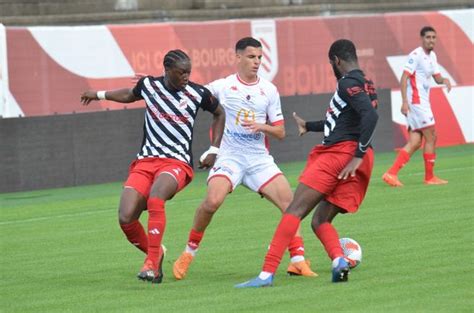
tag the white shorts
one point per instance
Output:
(420, 116)
(253, 171)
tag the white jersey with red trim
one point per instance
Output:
(420, 67)
(243, 102)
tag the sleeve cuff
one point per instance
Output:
(278, 123)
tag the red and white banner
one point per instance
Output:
(49, 67)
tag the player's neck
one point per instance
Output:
(168, 84)
(427, 51)
(247, 79)
(349, 67)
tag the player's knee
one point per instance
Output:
(127, 216)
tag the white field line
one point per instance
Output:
(172, 203)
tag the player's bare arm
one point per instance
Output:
(403, 89)
(440, 80)
(277, 131)
(301, 123)
(124, 95)
(311, 126)
(217, 127)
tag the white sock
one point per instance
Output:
(335, 262)
(191, 250)
(264, 275)
(297, 258)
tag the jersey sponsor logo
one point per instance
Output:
(245, 136)
(173, 118)
(234, 88)
(244, 116)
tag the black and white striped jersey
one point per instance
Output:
(169, 118)
(351, 115)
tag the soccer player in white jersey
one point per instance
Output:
(253, 112)
(421, 65)
(164, 163)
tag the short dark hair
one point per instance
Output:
(173, 57)
(247, 42)
(426, 29)
(344, 49)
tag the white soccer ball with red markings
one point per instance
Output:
(352, 251)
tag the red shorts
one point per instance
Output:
(142, 173)
(324, 165)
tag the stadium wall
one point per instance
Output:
(97, 147)
(49, 67)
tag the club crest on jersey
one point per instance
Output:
(248, 97)
(183, 103)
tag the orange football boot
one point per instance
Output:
(391, 180)
(436, 181)
(301, 268)
(180, 267)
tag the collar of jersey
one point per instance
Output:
(247, 84)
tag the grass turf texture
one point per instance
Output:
(62, 250)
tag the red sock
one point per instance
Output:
(194, 239)
(402, 158)
(430, 159)
(284, 233)
(136, 235)
(328, 236)
(296, 246)
(156, 227)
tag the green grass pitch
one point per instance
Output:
(62, 250)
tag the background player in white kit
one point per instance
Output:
(253, 111)
(422, 64)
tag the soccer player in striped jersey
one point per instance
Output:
(164, 163)
(338, 171)
(253, 112)
(421, 65)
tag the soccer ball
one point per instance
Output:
(352, 251)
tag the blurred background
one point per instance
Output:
(51, 51)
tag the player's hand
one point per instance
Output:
(405, 108)
(208, 161)
(137, 77)
(301, 123)
(88, 96)
(350, 169)
(253, 126)
(208, 158)
(447, 83)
